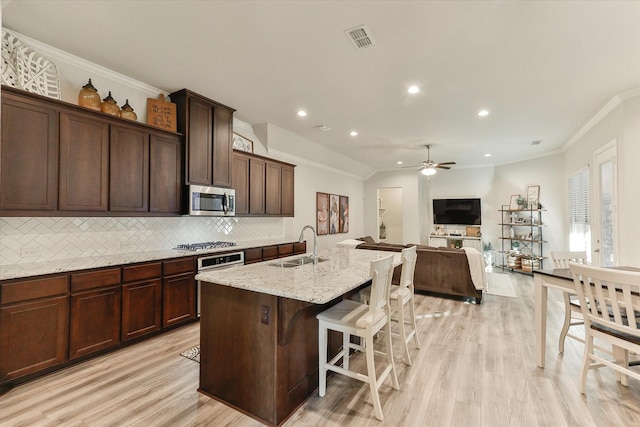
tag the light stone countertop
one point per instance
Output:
(316, 283)
(16, 271)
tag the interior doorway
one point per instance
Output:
(390, 215)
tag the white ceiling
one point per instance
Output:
(542, 68)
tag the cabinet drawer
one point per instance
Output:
(141, 272)
(182, 265)
(26, 290)
(285, 250)
(269, 252)
(95, 279)
(252, 255)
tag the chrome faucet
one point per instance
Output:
(315, 240)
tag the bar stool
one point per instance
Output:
(399, 297)
(364, 321)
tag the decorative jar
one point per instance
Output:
(126, 112)
(89, 97)
(110, 106)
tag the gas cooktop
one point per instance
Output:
(204, 245)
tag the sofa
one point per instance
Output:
(442, 271)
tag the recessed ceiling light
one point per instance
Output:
(483, 113)
(302, 113)
(399, 162)
(487, 155)
(353, 133)
(413, 89)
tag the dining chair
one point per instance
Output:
(561, 259)
(612, 315)
(364, 321)
(401, 296)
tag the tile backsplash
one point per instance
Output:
(36, 239)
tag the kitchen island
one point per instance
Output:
(259, 333)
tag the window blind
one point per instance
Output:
(580, 212)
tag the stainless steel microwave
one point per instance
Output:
(211, 201)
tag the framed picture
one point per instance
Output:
(241, 143)
(533, 196)
(334, 214)
(322, 213)
(513, 204)
(344, 214)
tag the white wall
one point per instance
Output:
(391, 202)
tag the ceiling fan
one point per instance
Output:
(429, 167)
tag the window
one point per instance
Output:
(580, 212)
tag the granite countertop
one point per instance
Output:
(16, 271)
(318, 283)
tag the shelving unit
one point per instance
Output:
(524, 227)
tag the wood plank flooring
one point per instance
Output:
(476, 368)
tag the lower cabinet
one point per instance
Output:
(95, 321)
(179, 291)
(141, 308)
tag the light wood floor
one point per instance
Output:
(476, 368)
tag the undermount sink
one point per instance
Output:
(297, 262)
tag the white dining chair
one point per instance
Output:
(352, 318)
(402, 297)
(611, 315)
(572, 310)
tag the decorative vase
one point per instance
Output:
(89, 97)
(383, 231)
(126, 112)
(110, 106)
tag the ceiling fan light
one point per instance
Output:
(428, 171)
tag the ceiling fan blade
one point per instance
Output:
(412, 166)
(447, 163)
(442, 167)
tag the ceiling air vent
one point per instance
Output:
(360, 37)
(537, 142)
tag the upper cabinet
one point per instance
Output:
(207, 126)
(61, 159)
(29, 154)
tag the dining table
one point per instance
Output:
(557, 278)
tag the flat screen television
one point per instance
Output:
(457, 211)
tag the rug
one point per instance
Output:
(499, 284)
(192, 354)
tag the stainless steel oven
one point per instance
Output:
(216, 262)
(211, 201)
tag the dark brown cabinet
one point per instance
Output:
(279, 184)
(165, 165)
(29, 161)
(84, 162)
(178, 286)
(33, 325)
(207, 126)
(248, 181)
(141, 299)
(94, 311)
(129, 180)
(61, 159)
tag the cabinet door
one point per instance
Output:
(222, 147)
(273, 183)
(29, 161)
(199, 143)
(141, 308)
(33, 336)
(84, 162)
(256, 186)
(165, 166)
(240, 182)
(287, 190)
(179, 304)
(95, 321)
(129, 182)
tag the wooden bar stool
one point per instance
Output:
(399, 297)
(571, 303)
(355, 319)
